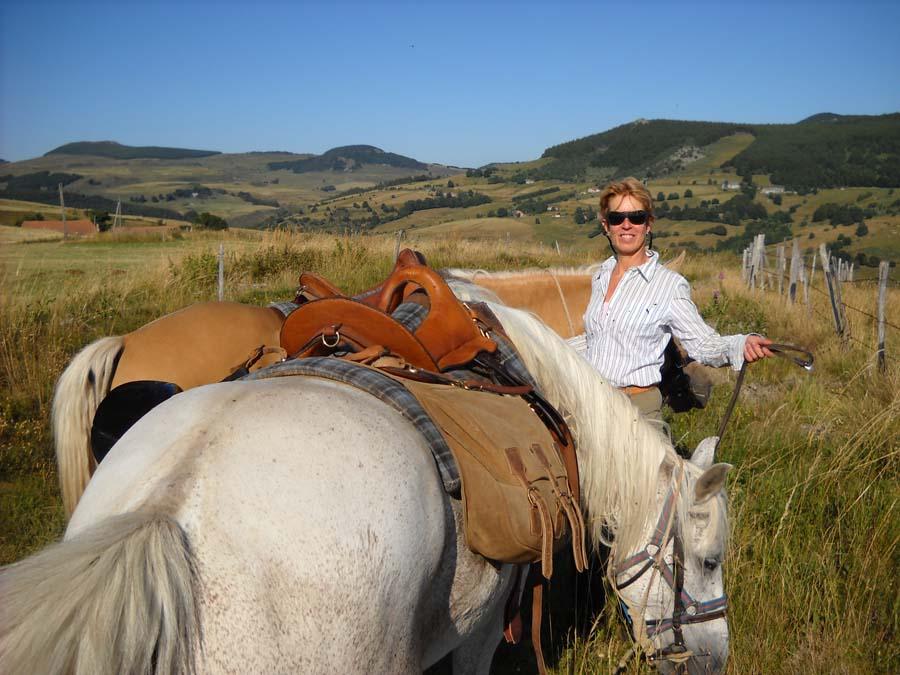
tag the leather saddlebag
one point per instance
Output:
(516, 496)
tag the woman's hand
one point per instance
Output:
(755, 348)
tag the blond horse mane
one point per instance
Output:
(620, 454)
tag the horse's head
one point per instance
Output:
(671, 587)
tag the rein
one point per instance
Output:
(789, 352)
(686, 610)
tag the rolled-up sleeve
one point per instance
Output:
(700, 340)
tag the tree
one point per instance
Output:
(862, 230)
(673, 195)
(688, 193)
(210, 222)
(580, 218)
(502, 212)
(450, 184)
(660, 197)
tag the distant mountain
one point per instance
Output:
(348, 158)
(824, 150)
(115, 150)
(3, 161)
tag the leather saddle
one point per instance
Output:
(328, 321)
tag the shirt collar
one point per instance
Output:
(647, 270)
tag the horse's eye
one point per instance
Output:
(710, 564)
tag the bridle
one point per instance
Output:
(653, 558)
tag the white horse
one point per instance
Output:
(299, 524)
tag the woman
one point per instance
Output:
(637, 305)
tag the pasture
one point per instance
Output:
(811, 567)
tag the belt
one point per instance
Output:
(634, 390)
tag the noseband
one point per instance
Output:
(686, 610)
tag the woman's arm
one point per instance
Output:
(702, 342)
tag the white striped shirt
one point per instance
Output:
(651, 303)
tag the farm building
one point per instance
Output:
(71, 226)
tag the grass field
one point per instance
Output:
(811, 567)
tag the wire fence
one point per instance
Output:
(835, 273)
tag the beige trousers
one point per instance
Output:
(649, 403)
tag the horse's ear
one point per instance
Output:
(676, 263)
(711, 482)
(705, 452)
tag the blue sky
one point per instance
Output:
(457, 83)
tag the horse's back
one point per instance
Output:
(299, 498)
(197, 345)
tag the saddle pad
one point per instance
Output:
(382, 387)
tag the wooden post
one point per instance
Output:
(795, 271)
(850, 272)
(882, 296)
(805, 282)
(221, 272)
(779, 267)
(745, 266)
(829, 283)
(839, 295)
(397, 244)
(62, 208)
(812, 271)
(762, 260)
(556, 243)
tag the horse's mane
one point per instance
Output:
(620, 453)
(474, 274)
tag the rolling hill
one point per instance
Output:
(824, 150)
(714, 184)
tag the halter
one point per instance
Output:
(686, 610)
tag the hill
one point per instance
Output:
(349, 158)
(825, 150)
(115, 150)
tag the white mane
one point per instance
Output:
(472, 275)
(620, 454)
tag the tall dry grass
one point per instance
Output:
(811, 570)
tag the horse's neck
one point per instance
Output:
(559, 299)
(619, 454)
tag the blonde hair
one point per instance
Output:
(629, 187)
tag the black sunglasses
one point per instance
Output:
(618, 217)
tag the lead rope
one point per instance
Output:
(779, 350)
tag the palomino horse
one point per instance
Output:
(205, 343)
(298, 524)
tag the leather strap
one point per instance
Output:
(537, 609)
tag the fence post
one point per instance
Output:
(812, 271)
(762, 260)
(556, 243)
(806, 283)
(221, 272)
(828, 270)
(795, 271)
(744, 266)
(882, 295)
(779, 265)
